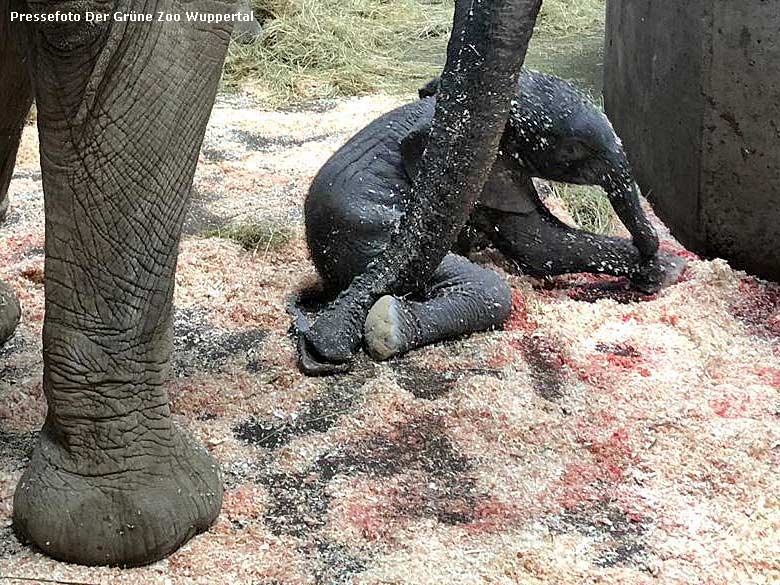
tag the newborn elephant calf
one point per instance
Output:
(357, 199)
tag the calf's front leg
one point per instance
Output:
(542, 245)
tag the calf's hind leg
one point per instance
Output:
(461, 298)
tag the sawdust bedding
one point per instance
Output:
(601, 437)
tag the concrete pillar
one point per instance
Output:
(693, 88)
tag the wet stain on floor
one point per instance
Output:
(315, 416)
(617, 537)
(545, 363)
(201, 347)
(430, 384)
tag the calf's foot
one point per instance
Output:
(385, 330)
(657, 272)
(3, 207)
(462, 298)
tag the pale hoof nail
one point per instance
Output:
(382, 331)
(662, 271)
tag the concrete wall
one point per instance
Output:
(693, 88)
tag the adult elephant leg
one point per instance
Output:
(486, 50)
(15, 101)
(122, 110)
(461, 298)
(542, 245)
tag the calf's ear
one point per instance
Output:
(509, 189)
(412, 147)
(573, 150)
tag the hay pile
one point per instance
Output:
(601, 437)
(336, 48)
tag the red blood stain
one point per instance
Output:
(380, 512)
(671, 248)
(243, 503)
(610, 289)
(34, 274)
(618, 349)
(773, 323)
(635, 517)
(542, 355)
(519, 319)
(542, 349)
(595, 278)
(500, 358)
(370, 519)
(492, 515)
(730, 407)
(612, 453)
(597, 480)
(581, 483)
(687, 255)
(17, 247)
(769, 376)
(613, 361)
(669, 319)
(588, 287)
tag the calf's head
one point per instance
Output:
(558, 134)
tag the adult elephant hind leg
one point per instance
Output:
(462, 298)
(15, 100)
(122, 111)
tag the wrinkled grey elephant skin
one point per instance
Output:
(485, 54)
(15, 100)
(122, 111)
(357, 200)
(10, 312)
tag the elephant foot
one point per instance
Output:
(10, 312)
(3, 207)
(384, 329)
(127, 518)
(657, 272)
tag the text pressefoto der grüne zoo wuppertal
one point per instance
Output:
(161, 16)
